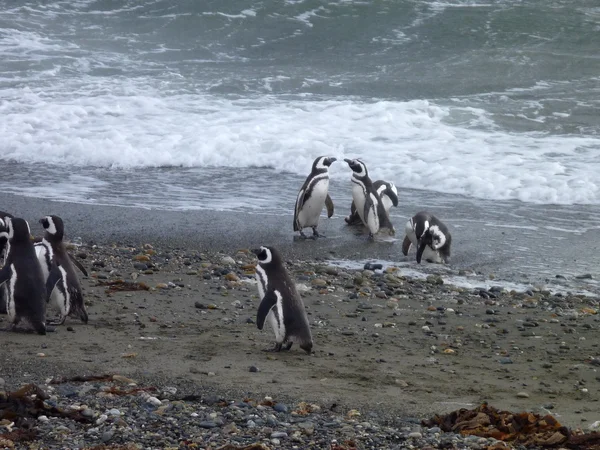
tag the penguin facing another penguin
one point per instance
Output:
(389, 196)
(23, 278)
(280, 304)
(313, 195)
(367, 201)
(430, 237)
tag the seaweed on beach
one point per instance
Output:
(256, 446)
(28, 403)
(122, 286)
(113, 447)
(87, 378)
(523, 428)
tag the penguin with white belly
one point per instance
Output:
(313, 195)
(23, 278)
(57, 266)
(280, 302)
(389, 196)
(367, 201)
(430, 237)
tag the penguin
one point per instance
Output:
(3, 240)
(3, 252)
(389, 196)
(430, 236)
(22, 275)
(58, 270)
(367, 201)
(312, 196)
(280, 304)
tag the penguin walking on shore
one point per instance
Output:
(23, 278)
(389, 197)
(367, 201)
(62, 283)
(313, 195)
(281, 304)
(430, 237)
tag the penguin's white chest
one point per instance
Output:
(429, 254)
(275, 319)
(387, 203)
(358, 195)
(311, 210)
(44, 255)
(11, 308)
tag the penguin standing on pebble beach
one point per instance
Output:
(61, 280)
(23, 278)
(281, 304)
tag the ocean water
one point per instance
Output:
(466, 105)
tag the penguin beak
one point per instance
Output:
(420, 250)
(256, 251)
(349, 161)
(332, 160)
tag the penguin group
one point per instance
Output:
(280, 304)
(36, 272)
(371, 204)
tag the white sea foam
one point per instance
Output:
(412, 143)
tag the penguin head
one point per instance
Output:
(358, 167)
(436, 240)
(18, 229)
(267, 255)
(53, 225)
(323, 162)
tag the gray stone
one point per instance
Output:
(279, 435)
(280, 407)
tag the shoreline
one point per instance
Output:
(480, 255)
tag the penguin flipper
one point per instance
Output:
(78, 264)
(406, 245)
(298, 208)
(54, 277)
(266, 304)
(329, 205)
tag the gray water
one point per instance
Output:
(485, 113)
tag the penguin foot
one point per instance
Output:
(302, 235)
(275, 349)
(316, 233)
(371, 237)
(57, 322)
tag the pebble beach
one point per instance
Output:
(172, 357)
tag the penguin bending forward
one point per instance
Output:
(280, 304)
(430, 237)
(389, 196)
(367, 201)
(22, 275)
(61, 280)
(313, 195)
